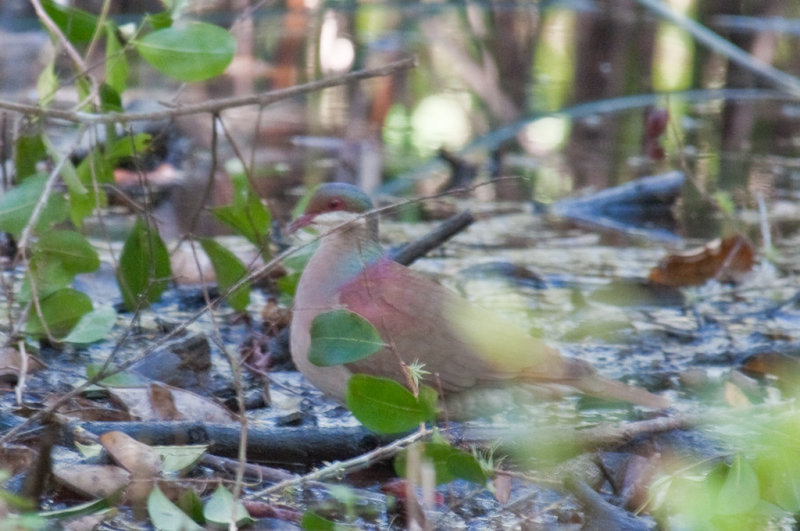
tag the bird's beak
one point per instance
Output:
(302, 221)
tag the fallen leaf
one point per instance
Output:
(16, 458)
(276, 315)
(735, 397)
(137, 458)
(723, 260)
(190, 406)
(162, 401)
(260, 509)
(11, 365)
(142, 461)
(82, 408)
(92, 481)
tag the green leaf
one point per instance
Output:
(342, 336)
(242, 221)
(98, 168)
(61, 312)
(229, 270)
(740, 492)
(47, 84)
(191, 504)
(93, 326)
(16, 501)
(68, 171)
(82, 205)
(84, 88)
(160, 20)
(177, 460)
(247, 215)
(195, 52)
(166, 515)
(85, 196)
(57, 256)
(144, 269)
(95, 167)
(110, 100)
(116, 63)
(89, 450)
(48, 276)
(128, 146)
(311, 521)
(17, 204)
(118, 379)
(68, 247)
(91, 507)
(384, 406)
(449, 463)
(287, 284)
(30, 151)
(76, 24)
(221, 506)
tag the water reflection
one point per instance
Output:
(490, 76)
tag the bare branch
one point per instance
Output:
(212, 106)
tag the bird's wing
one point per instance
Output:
(462, 344)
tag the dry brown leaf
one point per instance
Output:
(723, 260)
(137, 458)
(92, 481)
(163, 403)
(735, 397)
(15, 458)
(143, 463)
(639, 474)
(275, 314)
(188, 405)
(82, 408)
(262, 509)
(11, 364)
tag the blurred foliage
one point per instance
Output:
(757, 486)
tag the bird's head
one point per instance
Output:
(333, 204)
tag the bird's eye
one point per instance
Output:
(335, 204)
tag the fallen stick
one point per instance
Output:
(408, 253)
(287, 446)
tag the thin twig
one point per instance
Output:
(356, 463)
(23, 372)
(62, 39)
(48, 188)
(236, 372)
(212, 106)
(212, 173)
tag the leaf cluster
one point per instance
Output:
(54, 194)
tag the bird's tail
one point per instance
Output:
(606, 388)
(582, 376)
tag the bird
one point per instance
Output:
(461, 346)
